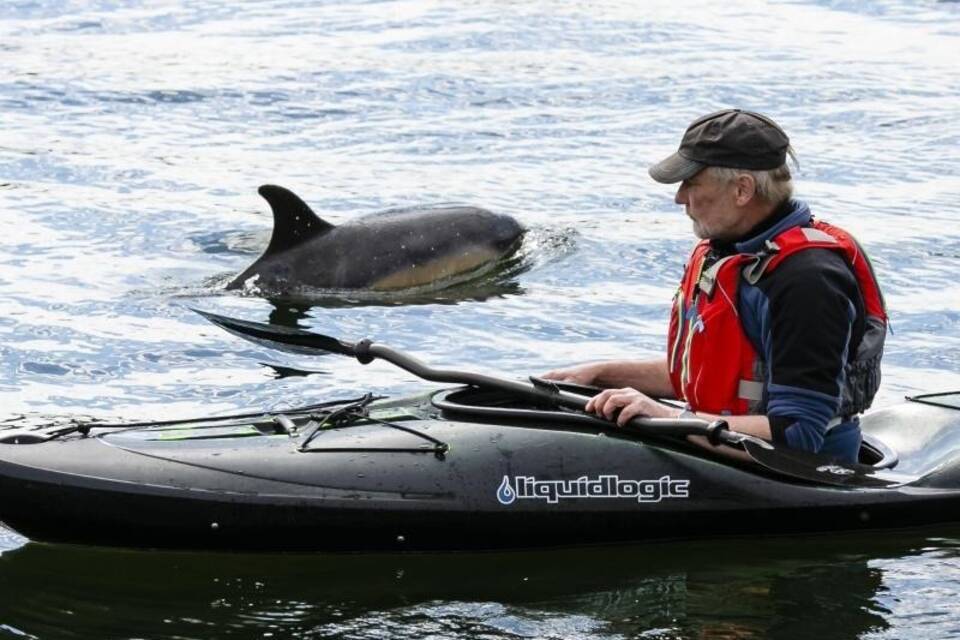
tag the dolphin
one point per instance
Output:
(384, 251)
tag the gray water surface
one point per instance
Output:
(133, 135)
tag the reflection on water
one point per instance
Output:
(785, 588)
(291, 308)
(280, 371)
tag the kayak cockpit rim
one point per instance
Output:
(492, 406)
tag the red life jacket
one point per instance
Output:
(712, 363)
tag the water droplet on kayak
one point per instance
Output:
(214, 525)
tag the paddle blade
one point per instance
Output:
(818, 469)
(279, 337)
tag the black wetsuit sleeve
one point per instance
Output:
(813, 319)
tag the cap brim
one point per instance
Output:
(675, 168)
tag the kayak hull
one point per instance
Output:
(389, 485)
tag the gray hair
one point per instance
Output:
(773, 185)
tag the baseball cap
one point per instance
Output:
(730, 138)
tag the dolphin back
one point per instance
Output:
(430, 245)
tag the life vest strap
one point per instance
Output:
(818, 235)
(751, 390)
(757, 263)
(708, 276)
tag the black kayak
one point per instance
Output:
(462, 468)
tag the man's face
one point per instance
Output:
(712, 205)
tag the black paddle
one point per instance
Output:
(788, 462)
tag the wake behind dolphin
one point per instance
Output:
(385, 251)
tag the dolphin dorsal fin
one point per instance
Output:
(293, 220)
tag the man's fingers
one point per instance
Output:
(596, 403)
(614, 402)
(620, 404)
(609, 401)
(630, 412)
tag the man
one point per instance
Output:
(778, 324)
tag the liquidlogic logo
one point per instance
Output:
(609, 486)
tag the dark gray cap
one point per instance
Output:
(729, 138)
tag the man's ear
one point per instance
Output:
(746, 188)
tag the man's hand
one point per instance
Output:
(584, 374)
(630, 403)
